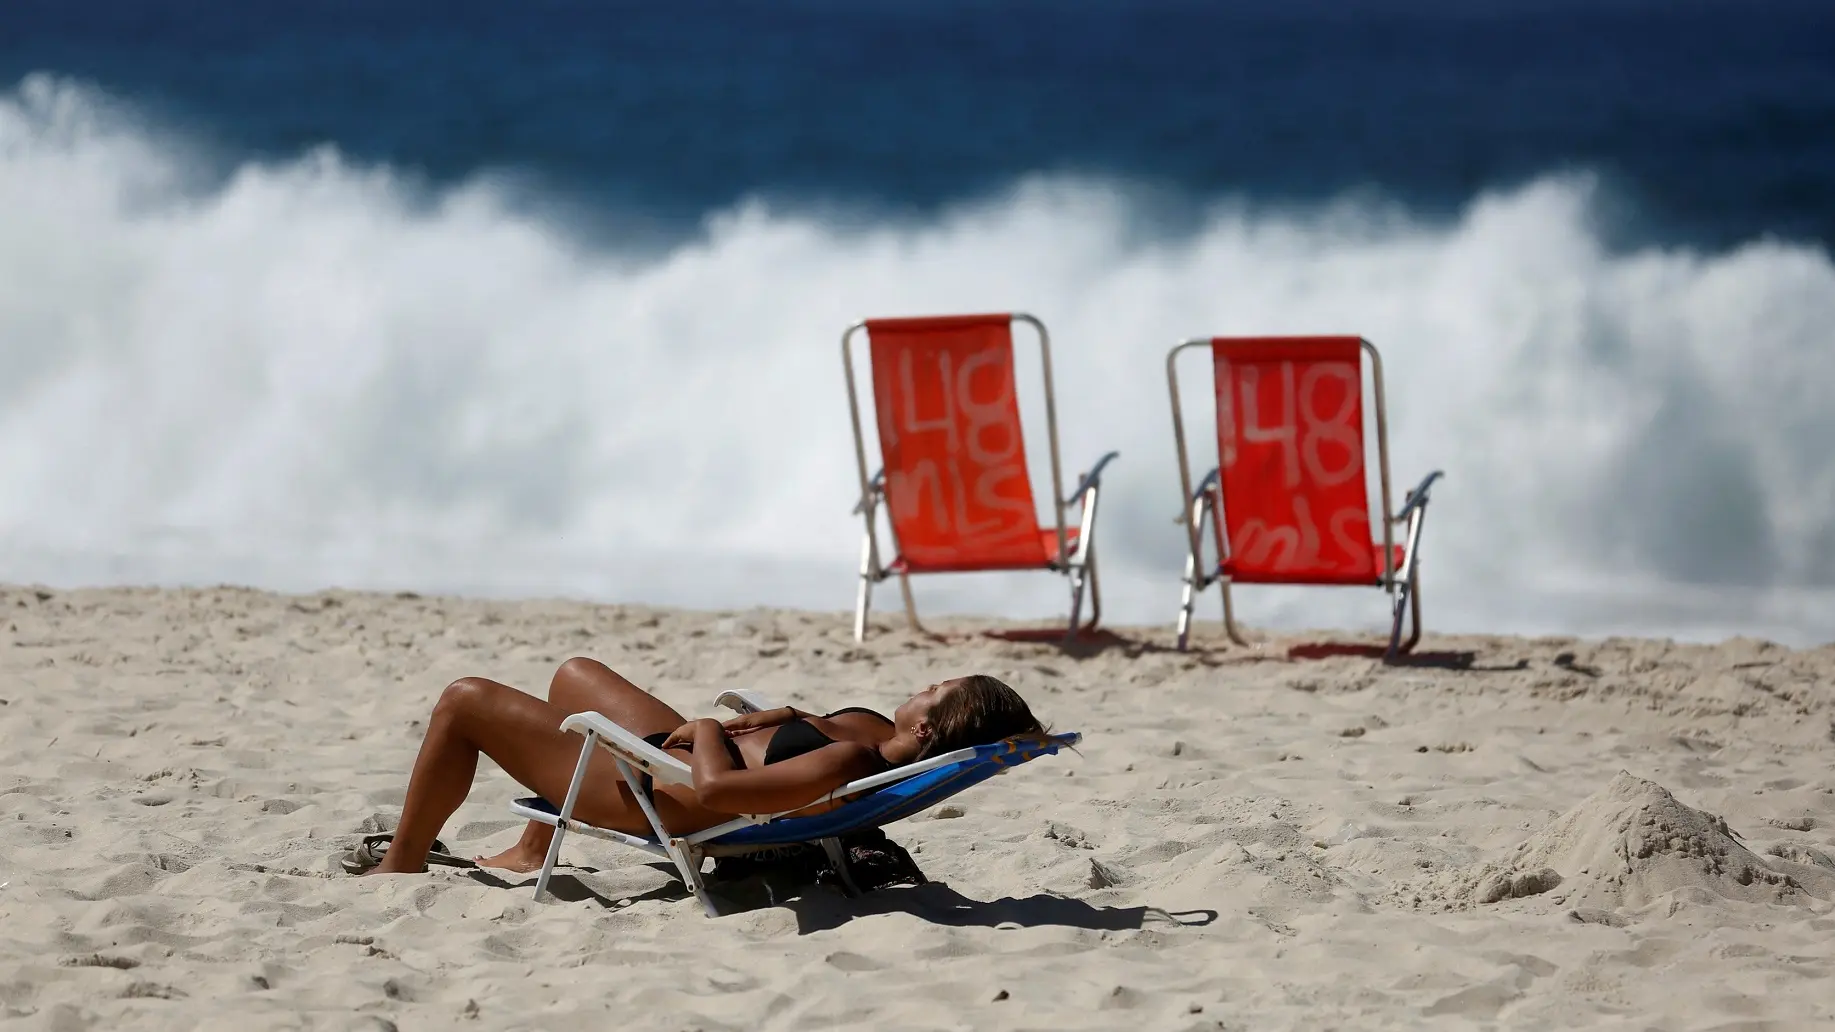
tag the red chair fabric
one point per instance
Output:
(1047, 538)
(957, 490)
(1290, 449)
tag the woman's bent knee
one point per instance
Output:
(463, 696)
(580, 668)
(578, 680)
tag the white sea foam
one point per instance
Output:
(312, 373)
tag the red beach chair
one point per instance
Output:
(954, 483)
(1288, 502)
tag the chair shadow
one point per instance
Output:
(1095, 643)
(568, 888)
(1086, 645)
(1447, 660)
(818, 908)
(939, 904)
(1567, 661)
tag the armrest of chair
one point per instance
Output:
(1091, 479)
(1417, 498)
(1204, 485)
(743, 700)
(874, 487)
(631, 748)
(1210, 480)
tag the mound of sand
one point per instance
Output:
(1624, 846)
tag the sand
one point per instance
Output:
(1506, 833)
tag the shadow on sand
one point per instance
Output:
(1095, 643)
(819, 909)
(1085, 645)
(1464, 660)
(939, 904)
(567, 887)
(1360, 650)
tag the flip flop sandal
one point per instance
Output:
(373, 848)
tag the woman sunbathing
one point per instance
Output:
(767, 762)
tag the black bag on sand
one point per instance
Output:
(873, 860)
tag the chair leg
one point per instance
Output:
(1186, 599)
(1196, 581)
(1229, 614)
(1401, 607)
(865, 598)
(911, 617)
(1083, 570)
(560, 825)
(688, 862)
(861, 604)
(686, 857)
(1095, 595)
(1414, 606)
(1410, 595)
(554, 855)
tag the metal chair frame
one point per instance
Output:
(1205, 503)
(1079, 566)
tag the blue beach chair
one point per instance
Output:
(891, 796)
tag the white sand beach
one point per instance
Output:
(1502, 833)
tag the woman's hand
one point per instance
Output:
(683, 737)
(746, 723)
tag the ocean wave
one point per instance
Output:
(313, 372)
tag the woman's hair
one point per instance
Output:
(980, 710)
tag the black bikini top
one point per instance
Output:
(797, 736)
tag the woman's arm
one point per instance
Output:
(747, 722)
(775, 788)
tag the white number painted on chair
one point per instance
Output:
(1318, 448)
(982, 443)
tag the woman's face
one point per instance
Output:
(916, 710)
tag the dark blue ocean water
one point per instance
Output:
(1708, 122)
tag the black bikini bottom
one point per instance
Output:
(648, 783)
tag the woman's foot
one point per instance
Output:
(528, 854)
(518, 858)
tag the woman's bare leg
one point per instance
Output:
(580, 686)
(522, 733)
